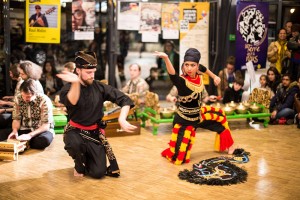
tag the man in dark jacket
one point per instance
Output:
(281, 106)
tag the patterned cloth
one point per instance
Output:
(35, 113)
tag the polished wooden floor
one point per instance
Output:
(273, 169)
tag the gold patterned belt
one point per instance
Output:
(187, 118)
(188, 111)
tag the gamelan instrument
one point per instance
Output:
(10, 149)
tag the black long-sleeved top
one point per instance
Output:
(89, 108)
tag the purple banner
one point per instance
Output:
(251, 33)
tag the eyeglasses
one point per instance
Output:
(78, 14)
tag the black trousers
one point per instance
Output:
(89, 157)
(40, 141)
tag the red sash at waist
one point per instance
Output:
(88, 128)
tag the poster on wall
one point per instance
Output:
(194, 30)
(170, 21)
(128, 15)
(83, 19)
(150, 17)
(43, 21)
(251, 34)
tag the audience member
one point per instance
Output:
(136, 84)
(273, 79)
(263, 94)
(170, 50)
(288, 28)
(235, 92)
(31, 70)
(152, 77)
(228, 75)
(277, 51)
(297, 105)
(294, 46)
(32, 117)
(51, 83)
(281, 106)
(7, 103)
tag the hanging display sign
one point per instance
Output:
(251, 33)
(150, 17)
(194, 31)
(170, 21)
(83, 19)
(43, 21)
(128, 15)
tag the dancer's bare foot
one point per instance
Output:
(77, 174)
(231, 150)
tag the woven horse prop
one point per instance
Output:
(219, 170)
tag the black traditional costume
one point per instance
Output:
(84, 140)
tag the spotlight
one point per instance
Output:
(292, 10)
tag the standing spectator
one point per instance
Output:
(277, 51)
(281, 106)
(32, 117)
(228, 75)
(170, 50)
(294, 46)
(288, 28)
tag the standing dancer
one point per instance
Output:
(189, 115)
(83, 137)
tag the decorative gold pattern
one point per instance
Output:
(187, 118)
(195, 87)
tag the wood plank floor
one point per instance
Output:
(273, 169)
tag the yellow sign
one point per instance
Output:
(194, 30)
(43, 21)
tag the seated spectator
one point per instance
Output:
(136, 84)
(169, 49)
(263, 94)
(7, 103)
(235, 92)
(263, 84)
(51, 83)
(38, 129)
(69, 67)
(297, 105)
(228, 75)
(281, 106)
(152, 77)
(31, 70)
(273, 79)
